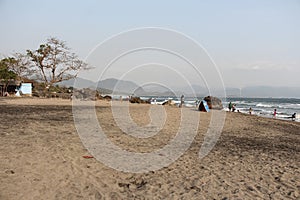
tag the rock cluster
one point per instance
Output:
(138, 100)
(169, 102)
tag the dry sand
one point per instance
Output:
(41, 157)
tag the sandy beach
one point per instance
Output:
(42, 156)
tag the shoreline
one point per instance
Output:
(50, 101)
(265, 116)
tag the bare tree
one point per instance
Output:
(54, 62)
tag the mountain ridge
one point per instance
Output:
(129, 87)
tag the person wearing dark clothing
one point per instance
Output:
(181, 101)
(294, 116)
(230, 106)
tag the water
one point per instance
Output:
(260, 106)
(265, 106)
(188, 102)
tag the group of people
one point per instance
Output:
(293, 117)
(231, 107)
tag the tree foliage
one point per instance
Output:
(19, 64)
(53, 62)
(6, 75)
(5, 72)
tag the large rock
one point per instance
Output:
(107, 98)
(214, 103)
(169, 102)
(138, 100)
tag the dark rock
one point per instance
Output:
(124, 185)
(107, 97)
(9, 171)
(250, 188)
(277, 178)
(169, 102)
(138, 100)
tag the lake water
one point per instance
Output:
(261, 106)
(265, 106)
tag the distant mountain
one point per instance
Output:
(233, 92)
(120, 86)
(267, 91)
(129, 87)
(264, 91)
(200, 91)
(106, 86)
(80, 83)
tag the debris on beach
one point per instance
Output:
(88, 156)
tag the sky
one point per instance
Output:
(251, 43)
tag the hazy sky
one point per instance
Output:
(253, 42)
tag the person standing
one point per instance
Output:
(181, 101)
(275, 113)
(230, 106)
(233, 107)
(250, 111)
